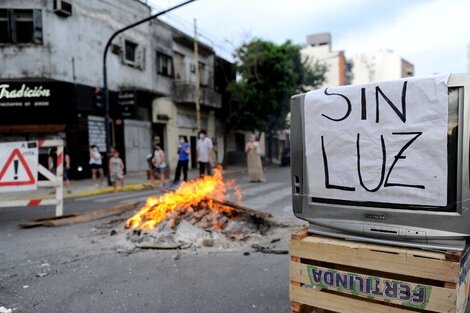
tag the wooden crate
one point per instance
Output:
(329, 274)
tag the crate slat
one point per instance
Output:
(346, 276)
(338, 303)
(399, 261)
(429, 297)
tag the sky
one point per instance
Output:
(431, 34)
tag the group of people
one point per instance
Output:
(158, 165)
(115, 167)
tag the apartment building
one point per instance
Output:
(51, 54)
(356, 69)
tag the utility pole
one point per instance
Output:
(197, 89)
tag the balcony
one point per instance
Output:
(185, 93)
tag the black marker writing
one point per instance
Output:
(327, 175)
(402, 114)
(384, 160)
(348, 102)
(401, 156)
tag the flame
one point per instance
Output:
(184, 199)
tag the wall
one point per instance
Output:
(72, 46)
(378, 66)
(163, 42)
(330, 58)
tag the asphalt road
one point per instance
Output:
(82, 268)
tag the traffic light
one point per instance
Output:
(98, 97)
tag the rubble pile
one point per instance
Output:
(200, 226)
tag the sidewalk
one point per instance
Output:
(85, 187)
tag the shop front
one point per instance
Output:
(35, 109)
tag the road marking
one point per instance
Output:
(127, 196)
(270, 198)
(263, 189)
(140, 199)
(254, 189)
(114, 195)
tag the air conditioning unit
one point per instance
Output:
(62, 8)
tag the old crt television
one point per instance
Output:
(385, 162)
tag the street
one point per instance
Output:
(82, 268)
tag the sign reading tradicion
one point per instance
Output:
(24, 96)
(380, 142)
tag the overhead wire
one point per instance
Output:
(188, 29)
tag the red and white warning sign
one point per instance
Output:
(18, 166)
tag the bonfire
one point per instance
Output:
(202, 201)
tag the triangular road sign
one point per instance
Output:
(12, 182)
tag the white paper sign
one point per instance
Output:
(380, 142)
(18, 166)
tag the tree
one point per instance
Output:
(268, 76)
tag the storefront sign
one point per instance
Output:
(97, 132)
(35, 95)
(127, 103)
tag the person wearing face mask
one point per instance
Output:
(204, 153)
(183, 160)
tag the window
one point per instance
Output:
(203, 75)
(4, 26)
(164, 64)
(20, 26)
(24, 26)
(129, 51)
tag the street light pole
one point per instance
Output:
(107, 119)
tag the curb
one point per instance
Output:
(131, 187)
(94, 192)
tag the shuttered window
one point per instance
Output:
(19, 26)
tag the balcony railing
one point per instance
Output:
(185, 93)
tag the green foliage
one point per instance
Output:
(268, 76)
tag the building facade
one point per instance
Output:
(378, 66)
(51, 55)
(319, 49)
(359, 68)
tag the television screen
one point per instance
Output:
(387, 160)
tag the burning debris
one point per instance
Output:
(196, 214)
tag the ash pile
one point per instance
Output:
(202, 226)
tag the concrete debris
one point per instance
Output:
(208, 242)
(126, 252)
(200, 226)
(264, 249)
(5, 310)
(25, 286)
(163, 246)
(42, 274)
(187, 232)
